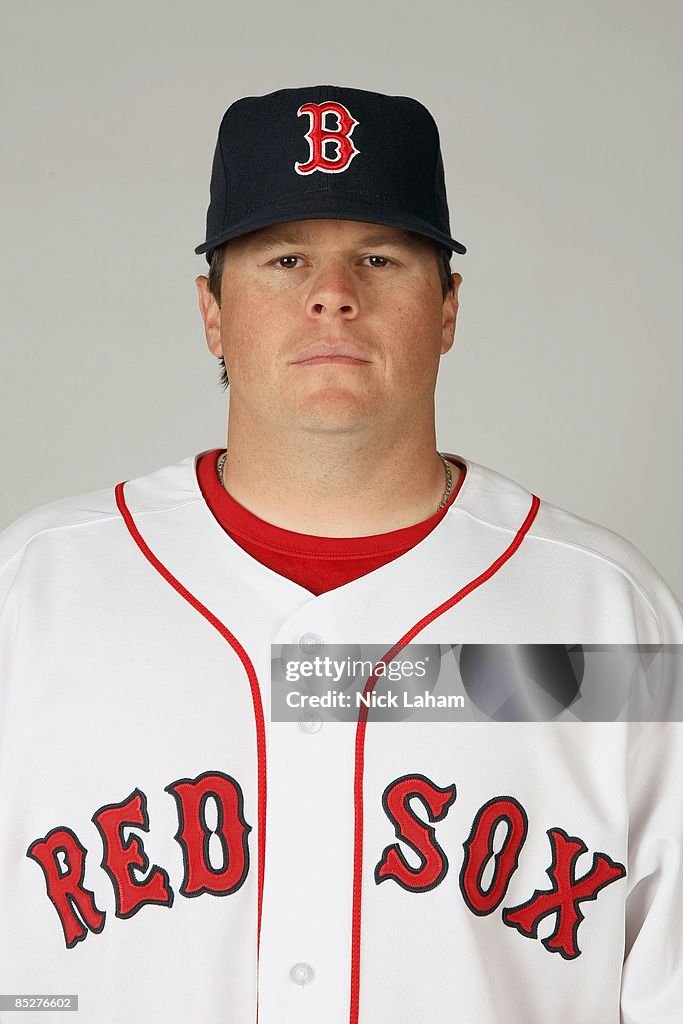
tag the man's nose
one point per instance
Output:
(333, 293)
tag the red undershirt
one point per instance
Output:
(316, 563)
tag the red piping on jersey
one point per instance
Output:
(251, 675)
(360, 744)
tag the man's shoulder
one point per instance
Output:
(560, 536)
(79, 514)
(64, 513)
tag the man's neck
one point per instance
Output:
(336, 485)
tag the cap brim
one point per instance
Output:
(292, 208)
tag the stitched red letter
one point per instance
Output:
(318, 135)
(413, 832)
(479, 850)
(65, 884)
(566, 894)
(122, 856)
(193, 834)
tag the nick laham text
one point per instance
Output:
(403, 699)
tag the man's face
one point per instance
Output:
(330, 326)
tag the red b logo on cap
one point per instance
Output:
(318, 135)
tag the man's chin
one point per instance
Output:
(333, 413)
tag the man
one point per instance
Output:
(174, 850)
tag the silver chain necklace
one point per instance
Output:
(446, 494)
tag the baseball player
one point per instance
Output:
(169, 851)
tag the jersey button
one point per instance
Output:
(302, 974)
(310, 721)
(309, 643)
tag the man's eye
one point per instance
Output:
(384, 260)
(280, 262)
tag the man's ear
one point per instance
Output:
(211, 315)
(450, 314)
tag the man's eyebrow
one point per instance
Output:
(282, 238)
(383, 238)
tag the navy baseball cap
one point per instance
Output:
(327, 152)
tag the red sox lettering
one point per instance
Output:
(62, 858)
(562, 900)
(65, 887)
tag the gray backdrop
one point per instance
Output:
(560, 127)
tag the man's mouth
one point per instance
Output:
(325, 352)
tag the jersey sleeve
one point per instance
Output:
(25, 558)
(652, 976)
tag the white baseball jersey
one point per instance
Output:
(169, 854)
